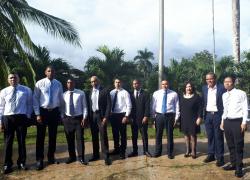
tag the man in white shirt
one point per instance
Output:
(165, 110)
(74, 121)
(120, 111)
(15, 107)
(234, 123)
(48, 106)
(213, 109)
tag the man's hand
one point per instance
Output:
(39, 119)
(243, 127)
(1, 128)
(175, 122)
(145, 120)
(104, 121)
(124, 120)
(83, 123)
(222, 125)
(198, 121)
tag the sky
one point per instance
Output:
(133, 25)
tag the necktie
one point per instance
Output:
(13, 100)
(94, 100)
(164, 103)
(50, 95)
(71, 104)
(114, 101)
(137, 94)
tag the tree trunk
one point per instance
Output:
(236, 29)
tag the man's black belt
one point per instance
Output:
(212, 112)
(170, 113)
(234, 119)
(49, 109)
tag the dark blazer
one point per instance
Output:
(104, 103)
(140, 106)
(219, 103)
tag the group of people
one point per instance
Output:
(223, 108)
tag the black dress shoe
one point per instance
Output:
(122, 156)
(94, 158)
(170, 156)
(220, 163)
(7, 169)
(186, 155)
(83, 162)
(51, 161)
(115, 152)
(229, 167)
(108, 161)
(70, 160)
(133, 154)
(239, 173)
(22, 167)
(193, 156)
(39, 165)
(147, 154)
(209, 159)
(156, 155)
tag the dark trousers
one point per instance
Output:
(12, 124)
(235, 140)
(50, 118)
(214, 135)
(74, 131)
(96, 128)
(164, 121)
(143, 128)
(119, 130)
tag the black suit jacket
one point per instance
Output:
(104, 103)
(140, 106)
(219, 103)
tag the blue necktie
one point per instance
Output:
(50, 94)
(13, 100)
(164, 103)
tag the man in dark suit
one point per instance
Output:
(139, 115)
(213, 109)
(99, 102)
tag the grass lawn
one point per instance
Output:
(31, 135)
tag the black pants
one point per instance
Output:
(96, 127)
(119, 130)
(12, 124)
(214, 135)
(143, 128)
(235, 140)
(164, 121)
(50, 118)
(74, 130)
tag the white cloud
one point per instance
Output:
(133, 24)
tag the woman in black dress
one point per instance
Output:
(190, 111)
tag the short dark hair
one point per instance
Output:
(192, 86)
(50, 67)
(233, 77)
(212, 74)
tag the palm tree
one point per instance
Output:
(15, 38)
(143, 62)
(236, 29)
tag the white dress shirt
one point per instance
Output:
(79, 101)
(211, 99)
(135, 92)
(172, 102)
(235, 105)
(42, 94)
(94, 99)
(23, 101)
(123, 102)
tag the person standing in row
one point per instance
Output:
(190, 117)
(140, 114)
(48, 106)
(15, 108)
(234, 123)
(120, 111)
(213, 109)
(74, 121)
(99, 112)
(165, 110)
